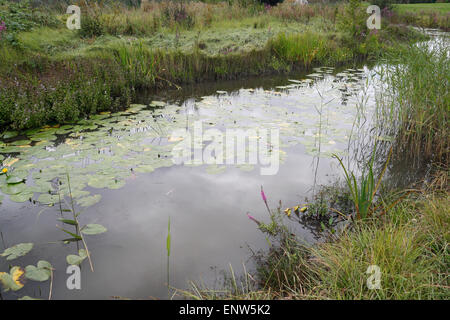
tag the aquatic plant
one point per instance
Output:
(415, 102)
(80, 230)
(364, 193)
(168, 248)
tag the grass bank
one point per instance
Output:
(426, 15)
(49, 74)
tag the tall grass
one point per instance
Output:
(415, 103)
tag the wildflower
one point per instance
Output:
(253, 219)
(263, 195)
(2, 28)
(4, 170)
(288, 212)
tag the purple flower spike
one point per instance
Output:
(253, 219)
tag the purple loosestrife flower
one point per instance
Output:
(263, 195)
(2, 28)
(253, 219)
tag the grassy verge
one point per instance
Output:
(49, 74)
(427, 15)
(418, 7)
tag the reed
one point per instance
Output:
(415, 102)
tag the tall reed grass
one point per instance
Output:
(414, 106)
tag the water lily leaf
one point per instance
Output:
(40, 273)
(10, 134)
(14, 179)
(12, 280)
(12, 189)
(46, 198)
(28, 298)
(22, 197)
(74, 259)
(21, 143)
(89, 201)
(157, 104)
(92, 229)
(16, 251)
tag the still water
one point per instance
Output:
(123, 177)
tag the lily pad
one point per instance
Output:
(14, 180)
(89, 201)
(12, 280)
(40, 273)
(10, 134)
(74, 259)
(17, 251)
(92, 229)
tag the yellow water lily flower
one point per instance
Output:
(288, 212)
(5, 170)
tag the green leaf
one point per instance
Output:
(73, 259)
(10, 134)
(13, 189)
(92, 229)
(40, 273)
(72, 234)
(168, 241)
(21, 197)
(68, 221)
(16, 251)
(70, 240)
(14, 180)
(89, 201)
(28, 298)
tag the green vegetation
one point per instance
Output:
(416, 102)
(427, 15)
(417, 7)
(68, 75)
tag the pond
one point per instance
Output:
(124, 177)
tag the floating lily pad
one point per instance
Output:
(12, 280)
(92, 229)
(13, 189)
(40, 273)
(74, 259)
(89, 201)
(9, 134)
(13, 179)
(17, 251)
